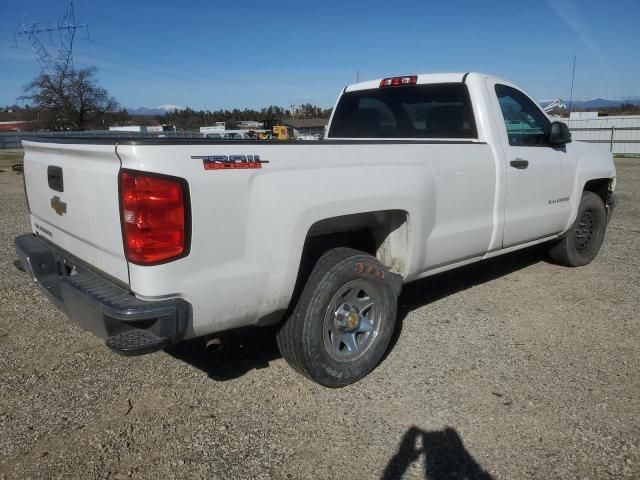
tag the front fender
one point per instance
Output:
(594, 162)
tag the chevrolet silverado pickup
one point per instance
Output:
(148, 242)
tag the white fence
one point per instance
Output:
(620, 133)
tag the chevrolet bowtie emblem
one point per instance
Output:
(58, 205)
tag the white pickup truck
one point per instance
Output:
(150, 242)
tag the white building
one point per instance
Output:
(128, 128)
(217, 128)
(582, 115)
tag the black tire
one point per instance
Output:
(582, 242)
(311, 339)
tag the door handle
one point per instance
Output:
(519, 163)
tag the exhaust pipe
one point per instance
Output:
(213, 345)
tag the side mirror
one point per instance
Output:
(559, 134)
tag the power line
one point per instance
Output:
(237, 93)
(64, 59)
(199, 87)
(182, 69)
(138, 77)
(173, 77)
(128, 74)
(152, 79)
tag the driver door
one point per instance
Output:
(540, 177)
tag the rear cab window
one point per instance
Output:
(438, 110)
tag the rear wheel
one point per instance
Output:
(582, 242)
(343, 321)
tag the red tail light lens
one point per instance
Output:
(154, 217)
(399, 81)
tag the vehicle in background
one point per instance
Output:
(277, 132)
(229, 135)
(283, 132)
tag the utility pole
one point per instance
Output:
(357, 76)
(573, 74)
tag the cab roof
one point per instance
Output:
(423, 78)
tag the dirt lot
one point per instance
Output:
(514, 368)
(9, 158)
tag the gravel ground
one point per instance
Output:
(513, 368)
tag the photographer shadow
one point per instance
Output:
(442, 453)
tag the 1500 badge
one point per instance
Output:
(230, 162)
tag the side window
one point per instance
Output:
(525, 122)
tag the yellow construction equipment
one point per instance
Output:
(275, 130)
(282, 132)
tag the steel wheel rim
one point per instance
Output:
(352, 320)
(585, 230)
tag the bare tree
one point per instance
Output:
(70, 99)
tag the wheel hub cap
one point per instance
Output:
(585, 230)
(346, 317)
(352, 320)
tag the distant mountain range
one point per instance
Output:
(161, 110)
(597, 102)
(578, 103)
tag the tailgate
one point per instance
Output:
(72, 191)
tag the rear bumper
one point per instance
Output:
(128, 324)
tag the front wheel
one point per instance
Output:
(583, 240)
(343, 321)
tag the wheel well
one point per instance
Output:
(383, 234)
(599, 186)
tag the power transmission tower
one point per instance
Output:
(67, 30)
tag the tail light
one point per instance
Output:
(154, 214)
(399, 81)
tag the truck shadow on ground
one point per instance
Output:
(441, 452)
(247, 349)
(431, 289)
(241, 351)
